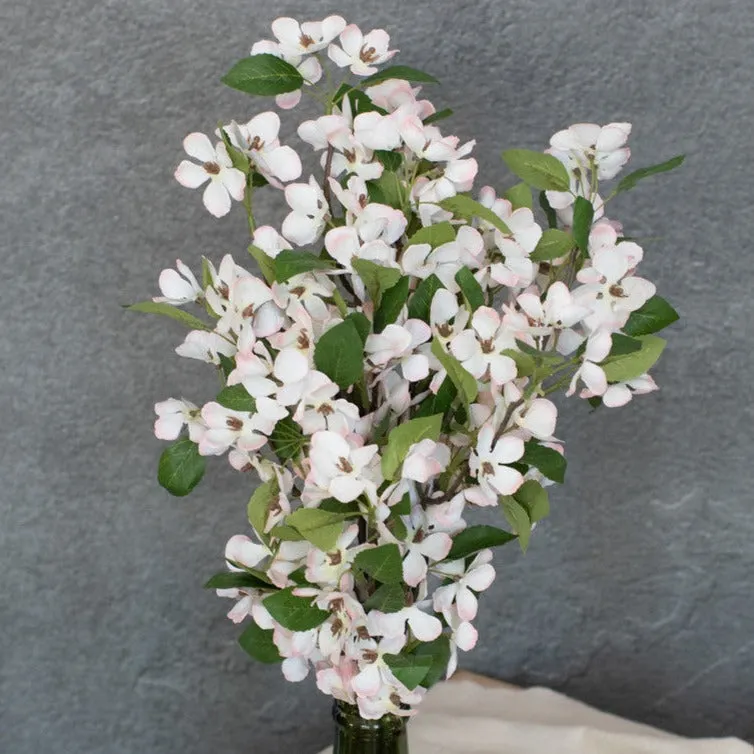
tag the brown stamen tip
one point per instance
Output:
(617, 291)
(326, 410)
(344, 465)
(212, 168)
(305, 40)
(487, 468)
(335, 558)
(369, 655)
(234, 423)
(248, 311)
(487, 346)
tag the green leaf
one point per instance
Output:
(362, 324)
(286, 533)
(622, 345)
(403, 72)
(393, 301)
(287, 439)
(440, 402)
(553, 245)
(466, 207)
(335, 506)
(387, 189)
(434, 235)
(464, 382)
(632, 365)
(181, 467)
(360, 102)
(470, 288)
(525, 363)
(403, 437)
(539, 170)
(409, 669)
(471, 540)
(227, 364)
(168, 310)
(420, 303)
(439, 115)
(655, 315)
(294, 613)
(388, 598)
(549, 462)
(257, 642)
(321, 528)
(439, 651)
(403, 508)
(289, 263)
(236, 398)
(518, 518)
(390, 160)
(583, 214)
(258, 508)
(632, 179)
(383, 563)
(263, 74)
(377, 278)
(340, 354)
(258, 180)
(266, 264)
(519, 196)
(550, 214)
(236, 580)
(545, 357)
(534, 498)
(206, 273)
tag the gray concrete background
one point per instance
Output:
(635, 596)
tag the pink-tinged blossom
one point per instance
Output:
(390, 700)
(308, 37)
(462, 592)
(214, 165)
(333, 568)
(241, 552)
(590, 373)
(308, 290)
(584, 144)
(537, 418)
(339, 468)
(463, 636)
(253, 366)
(393, 94)
(424, 460)
(226, 427)
(205, 346)
(620, 393)
(480, 349)
(423, 547)
(489, 464)
(269, 241)
(178, 286)
(336, 680)
(320, 410)
(396, 344)
(306, 221)
(361, 52)
(423, 626)
(258, 140)
(172, 415)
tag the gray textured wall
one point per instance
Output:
(636, 594)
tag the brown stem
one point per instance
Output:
(326, 190)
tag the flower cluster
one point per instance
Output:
(391, 366)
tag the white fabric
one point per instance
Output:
(464, 717)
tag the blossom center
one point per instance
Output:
(487, 346)
(362, 633)
(234, 423)
(303, 340)
(337, 626)
(212, 168)
(369, 655)
(344, 465)
(616, 291)
(326, 410)
(367, 54)
(248, 311)
(305, 40)
(256, 144)
(445, 330)
(487, 468)
(335, 558)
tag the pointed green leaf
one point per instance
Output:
(403, 72)
(472, 292)
(361, 323)
(181, 467)
(518, 518)
(294, 613)
(583, 214)
(525, 363)
(286, 533)
(439, 115)
(340, 354)
(393, 301)
(287, 439)
(236, 580)
(632, 179)
(420, 303)
(440, 402)
(549, 462)
(387, 189)
(383, 563)
(266, 264)
(377, 278)
(471, 540)
(290, 262)
(534, 498)
(257, 642)
(258, 508)
(550, 214)
(321, 528)
(238, 159)
(388, 598)
(539, 170)
(236, 398)
(519, 196)
(263, 74)
(435, 235)
(655, 315)
(553, 245)
(466, 207)
(168, 310)
(439, 651)
(403, 437)
(409, 669)
(464, 382)
(632, 365)
(390, 160)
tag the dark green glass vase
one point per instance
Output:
(354, 735)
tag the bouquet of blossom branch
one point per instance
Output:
(390, 368)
